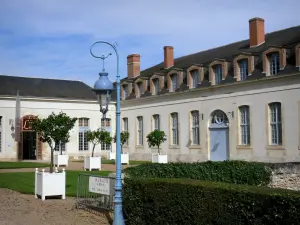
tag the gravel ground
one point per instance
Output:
(20, 209)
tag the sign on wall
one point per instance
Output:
(99, 185)
(26, 122)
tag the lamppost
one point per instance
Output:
(103, 88)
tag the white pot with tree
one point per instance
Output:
(155, 139)
(96, 137)
(52, 130)
(124, 138)
(60, 159)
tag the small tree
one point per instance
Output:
(124, 138)
(97, 137)
(54, 130)
(156, 138)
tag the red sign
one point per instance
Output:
(26, 122)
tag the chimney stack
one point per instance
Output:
(168, 57)
(133, 65)
(256, 31)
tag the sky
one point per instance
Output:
(52, 38)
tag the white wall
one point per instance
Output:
(43, 108)
(227, 98)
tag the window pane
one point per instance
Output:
(243, 65)
(218, 74)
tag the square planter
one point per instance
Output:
(111, 155)
(125, 158)
(157, 158)
(50, 184)
(92, 163)
(61, 160)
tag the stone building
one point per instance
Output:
(238, 101)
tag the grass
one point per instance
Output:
(20, 165)
(131, 162)
(23, 182)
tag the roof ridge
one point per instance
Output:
(44, 78)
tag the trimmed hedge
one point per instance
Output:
(236, 172)
(181, 201)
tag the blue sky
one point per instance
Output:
(51, 38)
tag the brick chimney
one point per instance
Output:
(256, 31)
(133, 65)
(168, 57)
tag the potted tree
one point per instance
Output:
(96, 137)
(124, 138)
(155, 139)
(52, 130)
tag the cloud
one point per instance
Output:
(52, 38)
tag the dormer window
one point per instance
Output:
(155, 86)
(125, 91)
(174, 83)
(195, 78)
(243, 68)
(139, 90)
(274, 63)
(218, 73)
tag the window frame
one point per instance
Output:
(218, 70)
(174, 129)
(243, 65)
(140, 131)
(83, 127)
(244, 125)
(195, 127)
(274, 64)
(277, 124)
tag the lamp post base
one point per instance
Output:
(118, 215)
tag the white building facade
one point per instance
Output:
(28, 146)
(236, 102)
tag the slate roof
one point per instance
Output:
(287, 38)
(45, 88)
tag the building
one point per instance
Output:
(238, 101)
(38, 98)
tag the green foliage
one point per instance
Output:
(98, 136)
(236, 172)
(156, 138)
(183, 201)
(53, 130)
(124, 138)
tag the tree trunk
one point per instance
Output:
(158, 149)
(121, 149)
(93, 150)
(52, 159)
(60, 149)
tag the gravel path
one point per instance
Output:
(20, 209)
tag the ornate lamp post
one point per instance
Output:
(103, 88)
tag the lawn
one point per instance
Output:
(23, 182)
(131, 162)
(20, 165)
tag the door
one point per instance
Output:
(29, 145)
(219, 144)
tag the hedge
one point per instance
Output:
(236, 172)
(181, 201)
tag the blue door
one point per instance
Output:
(219, 148)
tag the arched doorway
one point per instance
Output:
(218, 135)
(30, 147)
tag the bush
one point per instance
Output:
(236, 172)
(181, 201)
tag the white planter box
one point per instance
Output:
(61, 160)
(157, 158)
(92, 163)
(125, 158)
(111, 156)
(50, 184)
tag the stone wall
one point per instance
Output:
(286, 175)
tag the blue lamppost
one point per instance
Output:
(103, 88)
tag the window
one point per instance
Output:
(195, 127)
(156, 124)
(125, 127)
(61, 147)
(0, 133)
(125, 92)
(83, 124)
(218, 74)
(105, 146)
(195, 78)
(275, 123)
(140, 130)
(174, 82)
(244, 125)
(139, 89)
(243, 67)
(155, 86)
(174, 127)
(274, 63)
(105, 122)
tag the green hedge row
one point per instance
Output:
(181, 201)
(236, 172)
